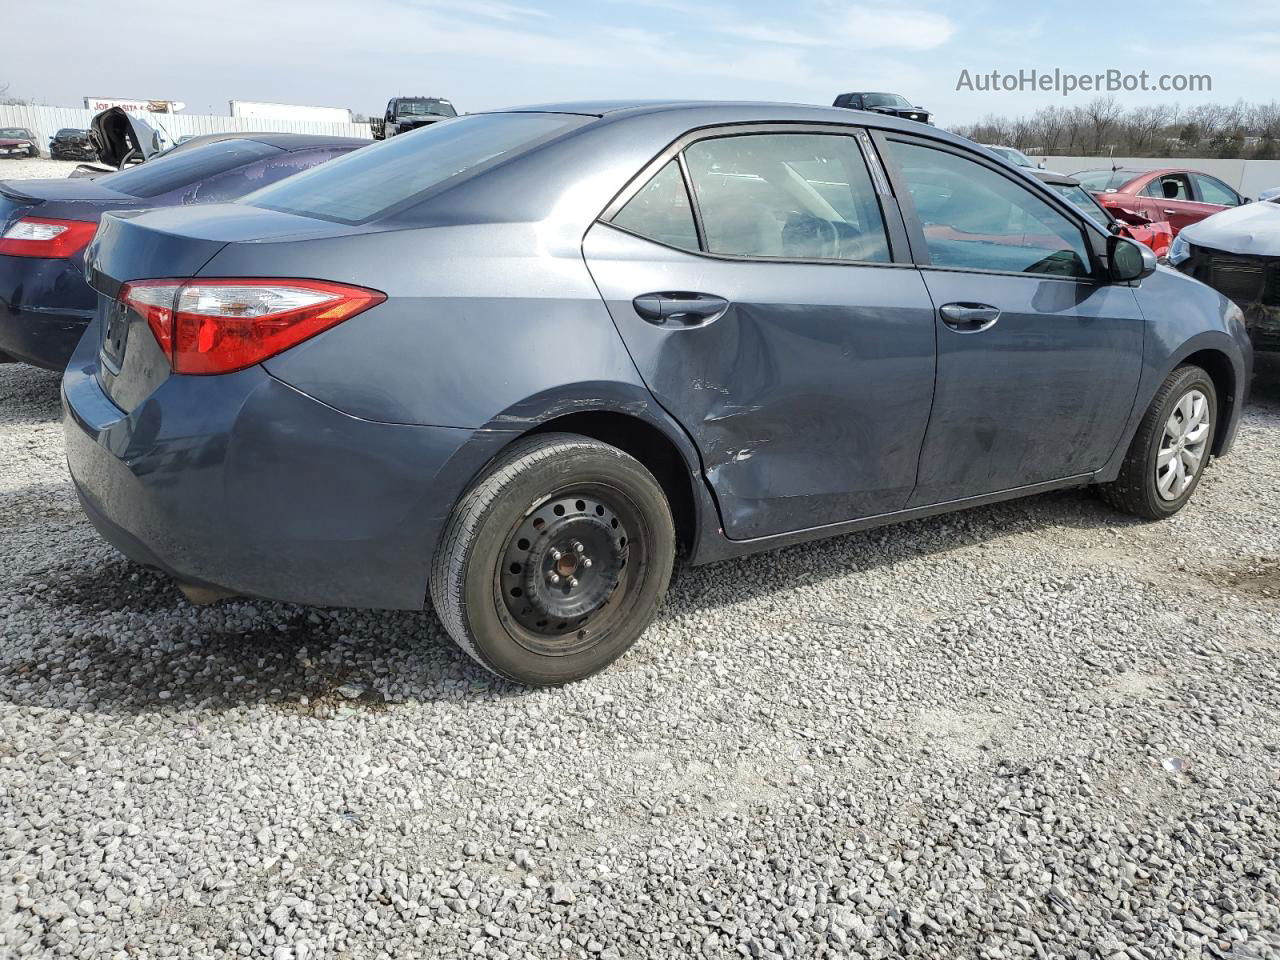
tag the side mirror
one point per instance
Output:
(1129, 260)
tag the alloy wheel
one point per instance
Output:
(1183, 446)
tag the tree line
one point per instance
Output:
(1103, 127)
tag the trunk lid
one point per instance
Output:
(118, 136)
(175, 243)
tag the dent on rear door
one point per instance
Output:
(807, 399)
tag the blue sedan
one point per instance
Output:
(45, 226)
(513, 363)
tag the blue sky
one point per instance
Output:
(484, 54)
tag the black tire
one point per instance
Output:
(490, 579)
(1135, 490)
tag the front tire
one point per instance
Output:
(555, 561)
(1170, 450)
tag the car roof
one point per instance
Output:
(1058, 179)
(712, 112)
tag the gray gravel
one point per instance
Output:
(1033, 730)
(28, 168)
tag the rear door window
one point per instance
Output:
(975, 218)
(185, 167)
(396, 172)
(795, 196)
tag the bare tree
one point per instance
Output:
(6, 99)
(1103, 127)
(1141, 127)
(1102, 114)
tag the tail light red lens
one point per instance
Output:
(209, 326)
(47, 237)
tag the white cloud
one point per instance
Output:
(871, 28)
(492, 9)
(855, 28)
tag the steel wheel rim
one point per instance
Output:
(1183, 445)
(570, 568)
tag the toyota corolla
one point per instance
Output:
(513, 363)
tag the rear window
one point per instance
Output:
(1097, 180)
(376, 180)
(185, 167)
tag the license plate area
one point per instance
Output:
(115, 336)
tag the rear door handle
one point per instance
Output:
(680, 308)
(969, 317)
(1170, 212)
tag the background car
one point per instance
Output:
(890, 104)
(411, 113)
(1158, 235)
(71, 143)
(509, 360)
(1177, 195)
(1237, 252)
(1014, 156)
(18, 142)
(45, 225)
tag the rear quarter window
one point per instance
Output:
(392, 174)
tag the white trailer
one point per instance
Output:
(289, 111)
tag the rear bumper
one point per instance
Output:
(241, 482)
(45, 306)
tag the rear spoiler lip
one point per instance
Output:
(12, 193)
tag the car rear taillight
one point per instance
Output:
(46, 237)
(207, 326)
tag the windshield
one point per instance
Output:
(1104, 179)
(1016, 157)
(425, 108)
(71, 132)
(1082, 200)
(185, 167)
(885, 100)
(392, 174)
(15, 133)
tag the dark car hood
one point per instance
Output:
(116, 134)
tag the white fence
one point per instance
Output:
(44, 122)
(1250, 177)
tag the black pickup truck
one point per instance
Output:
(409, 113)
(889, 103)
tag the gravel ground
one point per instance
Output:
(27, 169)
(1032, 730)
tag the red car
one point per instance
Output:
(1157, 234)
(1180, 196)
(18, 142)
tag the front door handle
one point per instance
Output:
(969, 317)
(680, 308)
(1170, 212)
